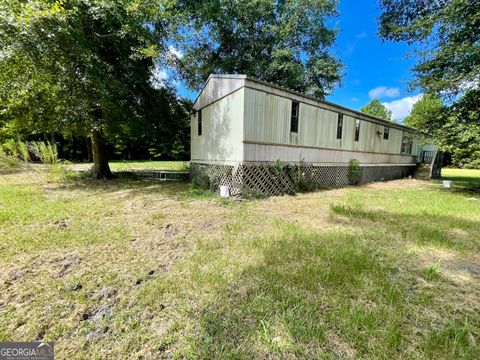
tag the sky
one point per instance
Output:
(373, 70)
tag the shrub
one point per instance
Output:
(355, 172)
(202, 181)
(10, 148)
(47, 153)
(253, 193)
(23, 151)
(8, 162)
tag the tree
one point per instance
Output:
(448, 32)
(166, 135)
(460, 133)
(376, 108)
(283, 42)
(81, 66)
(427, 114)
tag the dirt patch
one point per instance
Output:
(67, 263)
(461, 271)
(61, 224)
(340, 346)
(458, 233)
(169, 231)
(310, 210)
(397, 184)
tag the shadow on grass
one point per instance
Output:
(293, 303)
(318, 296)
(129, 184)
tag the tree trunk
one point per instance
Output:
(89, 150)
(100, 158)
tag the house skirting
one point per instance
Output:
(271, 179)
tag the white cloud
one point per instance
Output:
(361, 35)
(469, 85)
(383, 91)
(401, 108)
(355, 99)
(175, 51)
(158, 77)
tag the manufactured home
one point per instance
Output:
(241, 128)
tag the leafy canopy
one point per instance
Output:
(376, 108)
(80, 64)
(460, 132)
(449, 32)
(285, 42)
(84, 67)
(427, 114)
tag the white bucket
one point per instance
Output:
(447, 184)
(224, 192)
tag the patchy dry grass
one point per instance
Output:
(138, 269)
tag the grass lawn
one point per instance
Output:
(129, 269)
(462, 177)
(138, 165)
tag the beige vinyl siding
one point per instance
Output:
(266, 153)
(222, 130)
(267, 121)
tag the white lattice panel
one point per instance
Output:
(269, 180)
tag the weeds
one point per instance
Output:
(355, 172)
(47, 153)
(128, 268)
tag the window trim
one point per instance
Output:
(199, 123)
(339, 126)
(407, 146)
(357, 130)
(386, 132)
(294, 117)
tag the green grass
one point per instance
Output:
(128, 269)
(141, 165)
(463, 178)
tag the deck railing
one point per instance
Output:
(427, 156)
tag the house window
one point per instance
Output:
(386, 132)
(199, 122)
(406, 146)
(294, 117)
(357, 129)
(339, 126)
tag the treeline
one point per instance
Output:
(96, 76)
(448, 71)
(101, 68)
(164, 135)
(452, 125)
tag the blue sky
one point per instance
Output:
(372, 69)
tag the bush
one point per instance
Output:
(253, 194)
(302, 179)
(355, 172)
(202, 181)
(47, 153)
(8, 162)
(23, 151)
